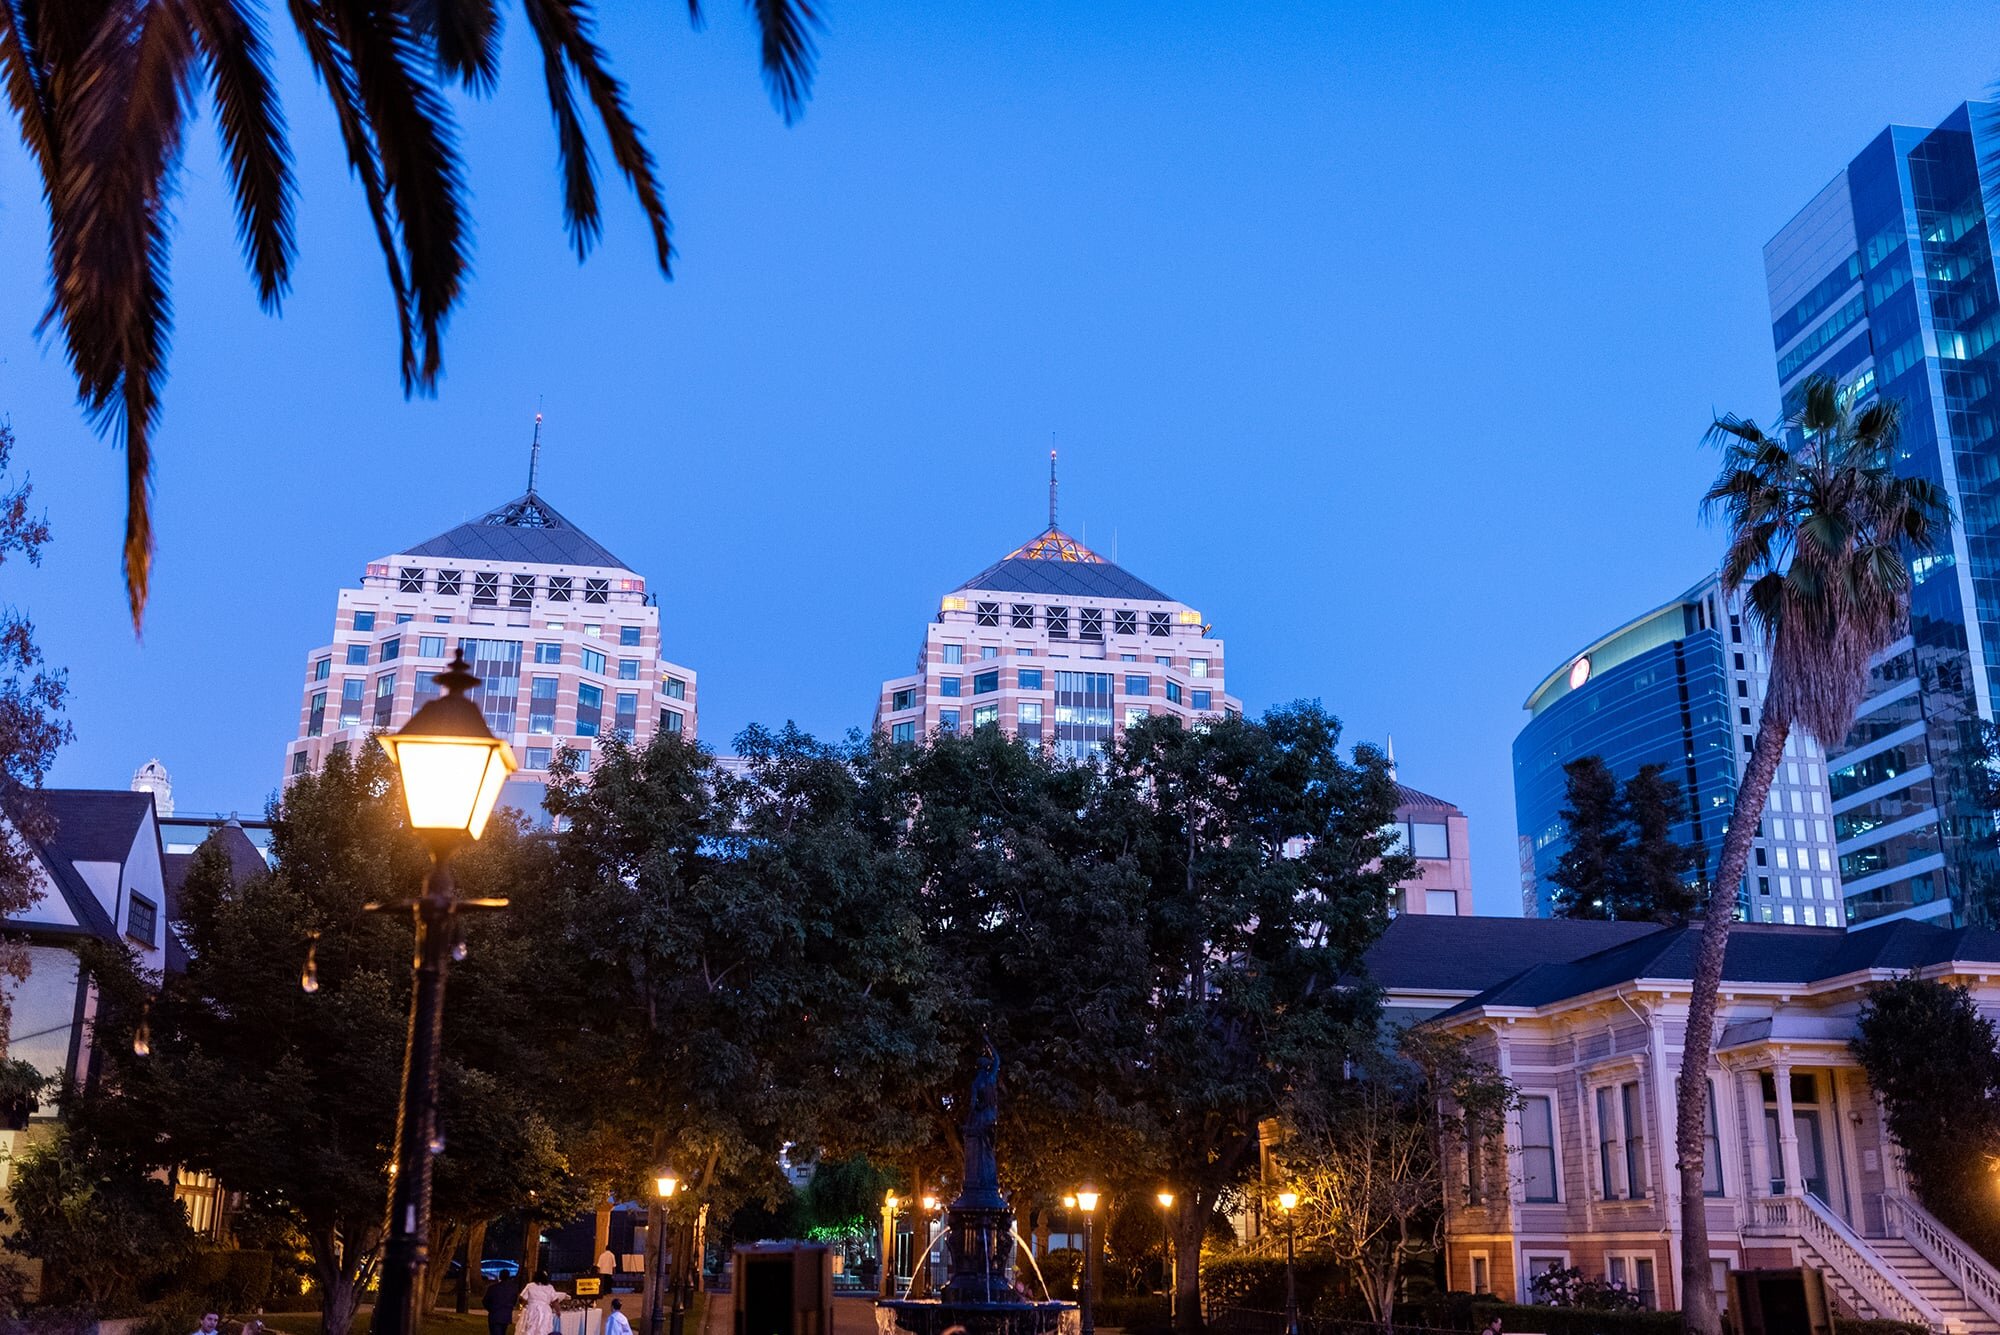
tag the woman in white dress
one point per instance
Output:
(538, 1310)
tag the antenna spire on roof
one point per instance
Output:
(1392, 755)
(535, 455)
(1052, 484)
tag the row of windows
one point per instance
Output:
(488, 585)
(628, 636)
(1624, 1170)
(954, 654)
(1030, 679)
(541, 707)
(1056, 620)
(546, 652)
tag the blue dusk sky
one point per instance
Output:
(1383, 335)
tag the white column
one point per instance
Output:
(1751, 1082)
(1788, 1131)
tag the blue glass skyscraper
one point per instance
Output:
(1885, 281)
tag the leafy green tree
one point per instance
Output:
(32, 728)
(1586, 875)
(289, 1095)
(1935, 1060)
(1266, 872)
(101, 1231)
(1821, 533)
(1620, 861)
(103, 91)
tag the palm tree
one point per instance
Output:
(1821, 532)
(103, 90)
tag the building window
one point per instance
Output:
(594, 631)
(985, 683)
(989, 614)
(676, 689)
(1424, 839)
(521, 591)
(626, 716)
(1028, 679)
(448, 583)
(1125, 623)
(1538, 1148)
(903, 699)
(1092, 625)
(1711, 1152)
(316, 718)
(542, 706)
(1135, 715)
(1635, 1275)
(628, 669)
(670, 721)
(985, 716)
(1173, 692)
(423, 690)
(1158, 624)
(497, 664)
(954, 653)
(1482, 1273)
(1029, 724)
(1199, 699)
(1083, 714)
(1162, 660)
(142, 919)
(1621, 1142)
(949, 686)
(948, 719)
(350, 701)
(364, 621)
(589, 709)
(559, 588)
(989, 651)
(1138, 685)
(401, 617)
(392, 648)
(430, 646)
(321, 668)
(385, 699)
(548, 651)
(596, 590)
(628, 637)
(410, 580)
(1441, 903)
(485, 588)
(1197, 667)
(905, 731)
(298, 762)
(357, 654)
(1057, 620)
(538, 758)
(593, 661)
(1022, 615)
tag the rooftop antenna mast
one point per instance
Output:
(535, 454)
(1052, 483)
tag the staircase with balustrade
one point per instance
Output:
(1921, 1272)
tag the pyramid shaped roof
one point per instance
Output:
(526, 529)
(1055, 563)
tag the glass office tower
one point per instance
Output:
(1885, 281)
(1681, 687)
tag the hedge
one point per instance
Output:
(1141, 1314)
(1258, 1283)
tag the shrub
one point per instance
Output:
(1141, 1314)
(1575, 1320)
(1060, 1269)
(1258, 1284)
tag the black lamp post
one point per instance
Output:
(452, 768)
(665, 1182)
(1086, 1200)
(1167, 1259)
(1288, 1201)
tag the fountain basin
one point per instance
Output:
(930, 1316)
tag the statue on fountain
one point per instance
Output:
(981, 1130)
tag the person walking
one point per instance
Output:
(615, 1323)
(538, 1310)
(501, 1296)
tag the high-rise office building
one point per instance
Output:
(1681, 687)
(563, 635)
(1885, 282)
(1061, 648)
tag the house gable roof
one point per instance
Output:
(91, 825)
(1424, 953)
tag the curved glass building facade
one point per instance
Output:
(1679, 687)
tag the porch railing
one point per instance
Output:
(1873, 1280)
(1958, 1263)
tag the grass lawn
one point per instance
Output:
(437, 1323)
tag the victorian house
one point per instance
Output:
(1801, 1170)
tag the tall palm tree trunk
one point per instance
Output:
(1698, 1309)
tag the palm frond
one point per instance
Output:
(787, 27)
(22, 76)
(466, 34)
(238, 62)
(580, 214)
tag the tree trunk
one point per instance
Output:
(475, 1252)
(444, 1240)
(600, 1232)
(1189, 1218)
(1697, 1296)
(339, 1296)
(531, 1248)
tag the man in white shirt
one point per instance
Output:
(615, 1323)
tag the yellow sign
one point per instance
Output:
(588, 1286)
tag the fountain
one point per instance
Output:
(980, 1297)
